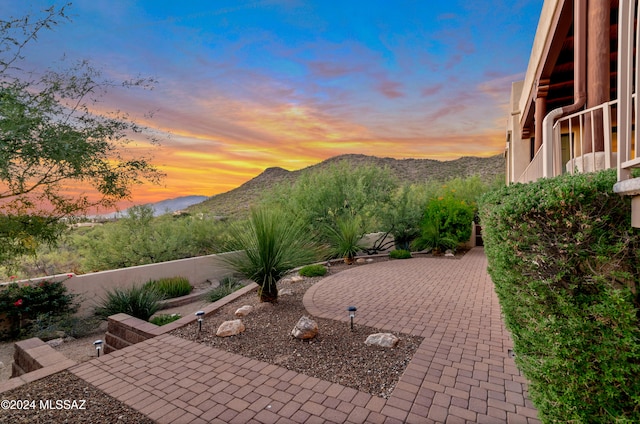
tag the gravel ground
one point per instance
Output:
(336, 354)
(99, 408)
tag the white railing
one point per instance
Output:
(579, 135)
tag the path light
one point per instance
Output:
(200, 315)
(352, 314)
(98, 345)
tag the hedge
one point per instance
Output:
(564, 260)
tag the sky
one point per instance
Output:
(245, 85)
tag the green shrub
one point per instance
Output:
(22, 304)
(163, 319)
(273, 243)
(170, 287)
(345, 237)
(135, 301)
(399, 254)
(564, 260)
(446, 223)
(228, 285)
(313, 271)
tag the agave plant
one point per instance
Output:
(345, 238)
(272, 244)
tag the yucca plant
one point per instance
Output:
(344, 238)
(135, 301)
(432, 238)
(272, 243)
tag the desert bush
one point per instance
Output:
(273, 243)
(320, 198)
(163, 319)
(135, 301)
(564, 260)
(21, 304)
(48, 326)
(446, 223)
(400, 254)
(170, 287)
(313, 270)
(227, 285)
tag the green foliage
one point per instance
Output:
(401, 216)
(564, 260)
(446, 223)
(163, 319)
(51, 140)
(344, 238)
(142, 239)
(313, 270)
(227, 285)
(400, 254)
(135, 301)
(23, 303)
(272, 244)
(170, 287)
(342, 190)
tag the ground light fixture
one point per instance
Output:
(98, 345)
(352, 314)
(200, 315)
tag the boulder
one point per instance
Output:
(243, 311)
(55, 342)
(382, 340)
(285, 292)
(230, 328)
(297, 278)
(449, 253)
(306, 328)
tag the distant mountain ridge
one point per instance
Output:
(237, 201)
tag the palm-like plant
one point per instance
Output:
(433, 238)
(345, 238)
(272, 245)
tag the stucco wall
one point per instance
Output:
(93, 286)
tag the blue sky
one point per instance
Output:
(246, 85)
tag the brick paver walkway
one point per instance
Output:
(461, 372)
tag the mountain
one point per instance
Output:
(238, 200)
(162, 207)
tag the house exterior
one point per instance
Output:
(575, 110)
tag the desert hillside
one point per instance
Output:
(239, 199)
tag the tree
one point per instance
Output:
(52, 139)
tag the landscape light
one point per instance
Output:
(98, 345)
(352, 314)
(200, 315)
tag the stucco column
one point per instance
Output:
(540, 111)
(598, 70)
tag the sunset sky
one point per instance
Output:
(247, 85)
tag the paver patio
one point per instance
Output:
(461, 372)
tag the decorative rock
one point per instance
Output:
(369, 260)
(243, 311)
(230, 328)
(306, 328)
(285, 292)
(285, 281)
(55, 342)
(297, 279)
(449, 253)
(360, 261)
(382, 340)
